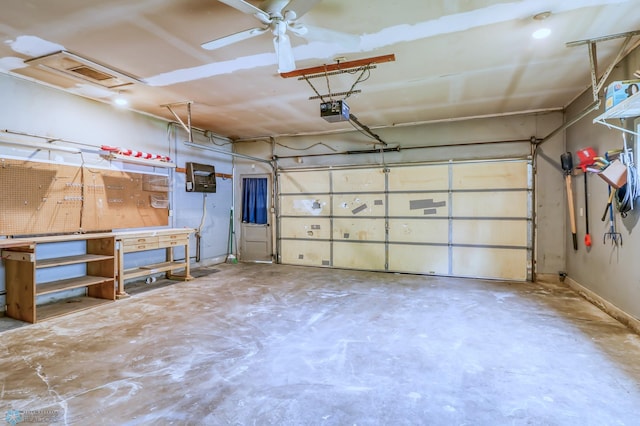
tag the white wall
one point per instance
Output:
(35, 109)
(474, 137)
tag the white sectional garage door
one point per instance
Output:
(468, 219)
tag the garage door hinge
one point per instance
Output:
(386, 170)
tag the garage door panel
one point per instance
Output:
(419, 178)
(358, 180)
(312, 182)
(419, 231)
(497, 175)
(305, 205)
(491, 232)
(308, 253)
(432, 260)
(358, 205)
(359, 229)
(490, 263)
(303, 228)
(419, 205)
(368, 256)
(490, 204)
(467, 219)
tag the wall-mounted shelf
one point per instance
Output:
(629, 108)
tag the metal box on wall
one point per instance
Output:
(200, 177)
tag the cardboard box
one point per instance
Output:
(615, 174)
(618, 91)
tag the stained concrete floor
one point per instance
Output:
(282, 345)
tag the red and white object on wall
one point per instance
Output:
(135, 154)
(587, 157)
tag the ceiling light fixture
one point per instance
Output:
(542, 32)
(120, 101)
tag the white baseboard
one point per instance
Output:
(630, 321)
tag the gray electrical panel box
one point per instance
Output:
(200, 178)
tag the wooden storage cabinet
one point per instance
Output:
(22, 262)
(135, 241)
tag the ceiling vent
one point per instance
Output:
(78, 68)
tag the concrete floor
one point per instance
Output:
(271, 344)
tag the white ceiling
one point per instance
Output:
(454, 59)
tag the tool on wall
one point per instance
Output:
(587, 158)
(612, 234)
(627, 193)
(606, 208)
(567, 166)
(587, 236)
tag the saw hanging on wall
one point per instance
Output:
(278, 17)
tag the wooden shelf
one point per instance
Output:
(67, 306)
(71, 260)
(69, 284)
(17, 242)
(22, 262)
(152, 269)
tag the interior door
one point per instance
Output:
(255, 228)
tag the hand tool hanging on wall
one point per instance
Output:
(567, 166)
(587, 236)
(627, 193)
(606, 208)
(587, 158)
(612, 234)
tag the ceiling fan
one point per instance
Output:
(278, 16)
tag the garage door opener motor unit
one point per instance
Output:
(200, 178)
(334, 111)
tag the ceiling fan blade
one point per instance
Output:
(233, 38)
(248, 8)
(284, 53)
(312, 33)
(300, 7)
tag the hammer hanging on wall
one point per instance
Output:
(567, 166)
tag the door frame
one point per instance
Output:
(270, 218)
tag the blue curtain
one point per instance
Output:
(254, 200)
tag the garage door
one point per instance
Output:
(467, 219)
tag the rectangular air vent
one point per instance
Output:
(71, 65)
(88, 72)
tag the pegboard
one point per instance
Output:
(39, 198)
(45, 198)
(117, 199)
